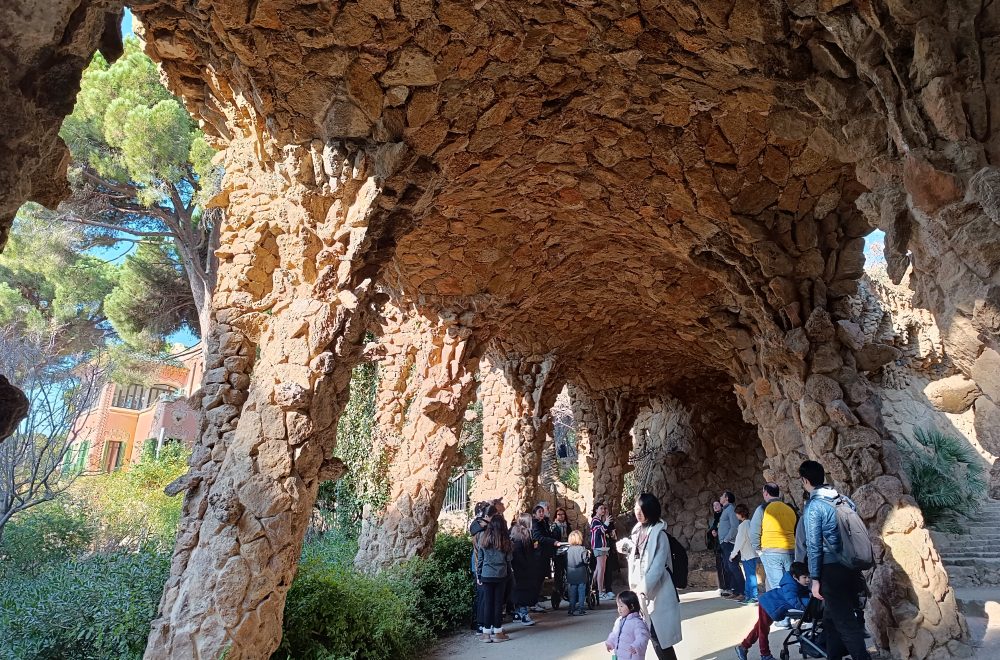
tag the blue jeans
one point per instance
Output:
(577, 597)
(731, 567)
(750, 571)
(776, 564)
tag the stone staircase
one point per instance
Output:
(973, 558)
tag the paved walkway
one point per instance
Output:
(712, 626)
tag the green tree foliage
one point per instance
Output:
(142, 172)
(151, 278)
(128, 507)
(47, 283)
(946, 477)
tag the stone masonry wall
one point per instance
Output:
(923, 388)
(688, 454)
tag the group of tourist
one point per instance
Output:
(510, 565)
(801, 556)
(741, 542)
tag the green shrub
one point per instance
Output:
(335, 612)
(444, 583)
(129, 508)
(571, 477)
(332, 611)
(946, 477)
(52, 531)
(335, 548)
(99, 607)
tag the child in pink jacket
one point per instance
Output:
(630, 634)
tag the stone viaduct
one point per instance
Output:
(636, 197)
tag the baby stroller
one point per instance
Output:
(561, 591)
(807, 629)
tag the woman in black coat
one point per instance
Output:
(525, 565)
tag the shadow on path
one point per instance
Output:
(712, 626)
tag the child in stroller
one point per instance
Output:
(792, 594)
(577, 580)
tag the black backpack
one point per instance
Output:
(679, 558)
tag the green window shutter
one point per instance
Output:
(81, 458)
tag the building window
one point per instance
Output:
(76, 457)
(158, 392)
(116, 451)
(131, 397)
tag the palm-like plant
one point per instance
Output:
(947, 478)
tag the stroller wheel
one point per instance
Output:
(784, 654)
(555, 602)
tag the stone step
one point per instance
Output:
(970, 555)
(958, 546)
(990, 563)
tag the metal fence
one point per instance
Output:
(457, 496)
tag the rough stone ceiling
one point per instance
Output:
(609, 175)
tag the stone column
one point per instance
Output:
(604, 420)
(811, 400)
(300, 250)
(428, 383)
(517, 392)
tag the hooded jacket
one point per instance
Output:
(822, 536)
(790, 595)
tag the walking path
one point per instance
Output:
(712, 626)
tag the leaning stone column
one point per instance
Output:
(430, 370)
(517, 392)
(299, 254)
(810, 400)
(604, 420)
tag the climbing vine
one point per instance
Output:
(365, 482)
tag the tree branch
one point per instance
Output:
(72, 217)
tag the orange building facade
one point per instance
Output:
(112, 435)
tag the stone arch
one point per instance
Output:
(697, 176)
(687, 452)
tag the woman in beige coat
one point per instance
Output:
(649, 575)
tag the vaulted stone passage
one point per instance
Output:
(645, 195)
(690, 450)
(428, 382)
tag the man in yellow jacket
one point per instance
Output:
(772, 534)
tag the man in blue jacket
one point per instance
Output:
(838, 586)
(792, 593)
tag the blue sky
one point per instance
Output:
(127, 23)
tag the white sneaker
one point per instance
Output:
(607, 595)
